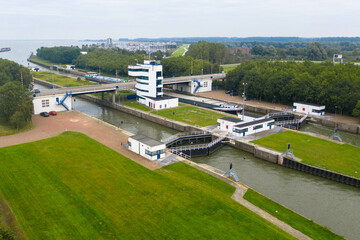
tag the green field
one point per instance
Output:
(7, 129)
(184, 113)
(138, 106)
(34, 58)
(341, 158)
(72, 187)
(302, 224)
(229, 67)
(61, 79)
(180, 51)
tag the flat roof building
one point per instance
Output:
(147, 147)
(149, 85)
(309, 108)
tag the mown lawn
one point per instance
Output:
(184, 113)
(302, 224)
(342, 158)
(192, 115)
(138, 106)
(72, 187)
(61, 79)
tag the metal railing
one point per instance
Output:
(181, 154)
(183, 134)
(198, 146)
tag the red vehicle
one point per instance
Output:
(52, 113)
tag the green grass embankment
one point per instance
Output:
(180, 51)
(302, 224)
(184, 113)
(47, 63)
(341, 158)
(61, 79)
(72, 187)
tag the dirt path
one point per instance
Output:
(220, 95)
(77, 122)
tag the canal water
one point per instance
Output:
(331, 204)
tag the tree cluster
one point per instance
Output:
(11, 71)
(60, 55)
(15, 101)
(335, 85)
(211, 52)
(108, 62)
(183, 66)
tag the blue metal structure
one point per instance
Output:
(62, 101)
(198, 85)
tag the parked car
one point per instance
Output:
(53, 113)
(234, 94)
(228, 91)
(44, 114)
(36, 90)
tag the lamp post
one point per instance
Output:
(243, 110)
(335, 110)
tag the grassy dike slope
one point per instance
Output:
(61, 79)
(72, 187)
(341, 158)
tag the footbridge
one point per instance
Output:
(60, 99)
(186, 79)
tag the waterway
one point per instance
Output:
(329, 203)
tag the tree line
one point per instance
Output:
(60, 55)
(335, 85)
(15, 99)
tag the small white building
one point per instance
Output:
(149, 85)
(255, 126)
(227, 123)
(147, 147)
(308, 108)
(70, 67)
(195, 86)
(51, 103)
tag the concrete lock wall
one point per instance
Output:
(320, 172)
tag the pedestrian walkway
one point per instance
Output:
(238, 196)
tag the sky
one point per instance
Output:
(99, 19)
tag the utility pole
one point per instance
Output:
(22, 82)
(243, 110)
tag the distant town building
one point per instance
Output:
(147, 147)
(109, 42)
(309, 108)
(242, 50)
(149, 85)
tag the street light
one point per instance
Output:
(335, 110)
(243, 113)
